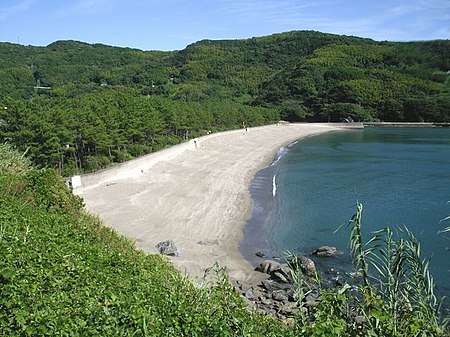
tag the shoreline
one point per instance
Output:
(195, 193)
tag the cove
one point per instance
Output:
(401, 176)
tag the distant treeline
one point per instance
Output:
(79, 107)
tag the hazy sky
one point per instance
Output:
(173, 24)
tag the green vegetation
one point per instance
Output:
(382, 81)
(80, 107)
(63, 273)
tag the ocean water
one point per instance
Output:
(401, 176)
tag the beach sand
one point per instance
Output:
(196, 194)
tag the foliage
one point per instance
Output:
(11, 161)
(377, 81)
(80, 107)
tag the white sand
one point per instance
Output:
(195, 195)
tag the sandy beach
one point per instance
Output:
(195, 193)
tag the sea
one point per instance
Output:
(307, 196)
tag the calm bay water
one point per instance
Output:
(401, 176)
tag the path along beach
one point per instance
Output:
(195, 193)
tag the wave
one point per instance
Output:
(274, 185)
(280, 153)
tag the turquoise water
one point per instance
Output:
(401, 176)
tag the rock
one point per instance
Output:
(280, 297)
(289, 322)
(313, 297)
(279, 276)
(288, 309)
(271, 285)
(267, 266)
(338, 280)
(326, 251)
(168, 248)
(311, 304)
(306, 265)
(259, 254)
(249, 294)
(265, 301)
(257, 294)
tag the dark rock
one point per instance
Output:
(267, 266)
(271, 285)
(279, 276)
(305, 264)
(327, 251)
(259, 254)
(168, 248)
(338, 280)
(280, 297)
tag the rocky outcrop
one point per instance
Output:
(277, 295)
(326, 251)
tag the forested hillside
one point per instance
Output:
(79, 107)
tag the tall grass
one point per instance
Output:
(12, 161)
(392, 293)
(396, 281)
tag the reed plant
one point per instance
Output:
(391, 293)
(395, 281)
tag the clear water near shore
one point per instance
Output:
(401, 176)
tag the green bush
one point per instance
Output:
(12, 161)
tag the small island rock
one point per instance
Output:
(326, 251)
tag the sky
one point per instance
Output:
(174, 24)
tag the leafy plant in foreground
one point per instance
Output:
(397, 287)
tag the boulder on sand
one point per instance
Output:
(168, 248)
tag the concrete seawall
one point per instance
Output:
(406, 125)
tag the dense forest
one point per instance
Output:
(79, 107)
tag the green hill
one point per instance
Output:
(80, 107)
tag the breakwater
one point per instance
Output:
(406, 125)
